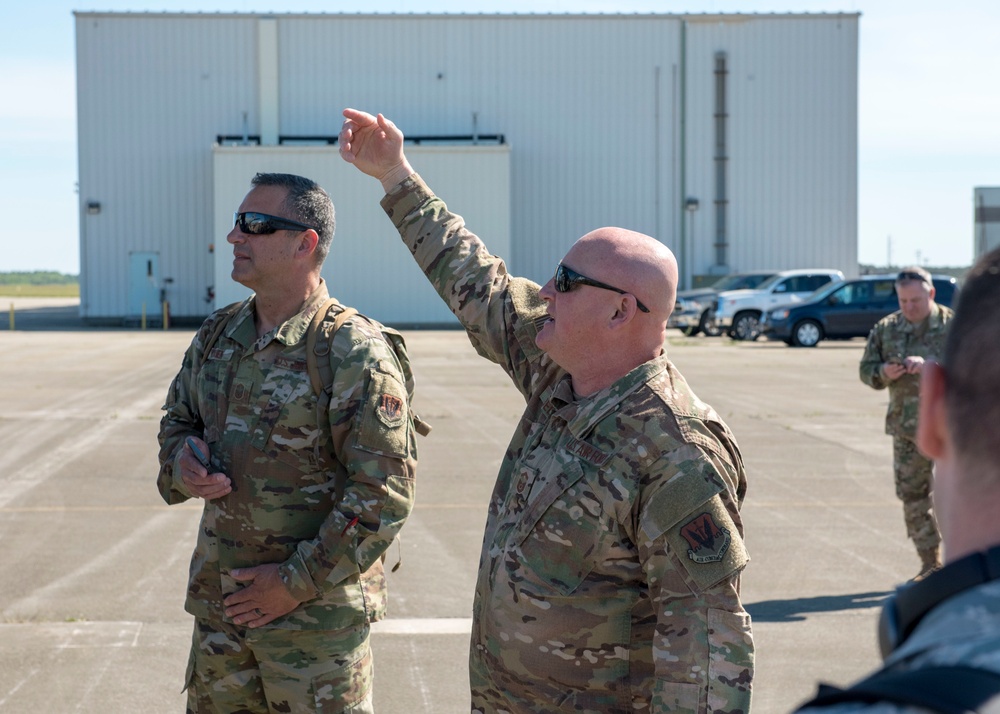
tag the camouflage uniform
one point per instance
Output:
(962, 630)
(894, 337)
(323, 493)
(609, 575)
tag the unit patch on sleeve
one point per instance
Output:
(386, 415)
(390, 408)
(707, 543)
(708, 540)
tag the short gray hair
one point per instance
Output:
(912, 274)
(307, 203)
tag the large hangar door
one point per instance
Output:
(368, 266)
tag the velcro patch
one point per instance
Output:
(587, 452)
(708, 540)
(708, 544)
(240, 392)
(390, 409)
(386, 415)
(291, 363)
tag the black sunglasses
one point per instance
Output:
(259, 224)
(567, 279)
(910, 275)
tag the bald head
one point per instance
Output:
(631, 261)
(617, 319)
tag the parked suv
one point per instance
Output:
(739, 311)
(694, 310)
(846, 310)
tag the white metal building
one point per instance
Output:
(731, 138)
(987, 220)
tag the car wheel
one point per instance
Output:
(708, 325)
(807, 334)
(746, 326)
(691, 330)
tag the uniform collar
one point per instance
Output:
(934, 319)
(584, 413)
(290, 332)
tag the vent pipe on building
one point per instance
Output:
(267, 77)
(721, 166)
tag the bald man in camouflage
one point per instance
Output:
(610, 570)
(898, 347)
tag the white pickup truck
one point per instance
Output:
(738, 312)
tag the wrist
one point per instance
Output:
(396, 175)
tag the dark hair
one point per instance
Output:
(972, 366)
(307, 203)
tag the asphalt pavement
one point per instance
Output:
(94, 564)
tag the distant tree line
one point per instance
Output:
(38, 277)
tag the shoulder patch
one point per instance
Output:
(708, 540)
(390, 409)
(385, 418)
(708, 544)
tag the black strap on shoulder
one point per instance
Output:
(954, 689)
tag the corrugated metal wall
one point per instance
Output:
(368, 266)
(590, 105)
(791, 98)
(152, 94)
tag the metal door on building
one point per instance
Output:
(144, 285)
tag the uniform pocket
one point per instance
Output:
(730, 661)
(675, 697)
(344, 689)
(563, 546)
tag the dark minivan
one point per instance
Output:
(844, 310)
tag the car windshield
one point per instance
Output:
(822, 292)
(739, 282)
(770, 282)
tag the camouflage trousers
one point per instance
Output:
(913, 486)
(233, 670)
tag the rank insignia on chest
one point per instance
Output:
(708, 540)
(240, 392)
(390, 406)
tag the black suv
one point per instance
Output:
(843, 310)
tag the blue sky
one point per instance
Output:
(929, 114)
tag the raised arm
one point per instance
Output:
(501, 313)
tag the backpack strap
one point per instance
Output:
(317, 350)
(319, 341)
(223, 318)
(946, 689)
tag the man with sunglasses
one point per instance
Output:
(609, 575)
(940, 637)
(303, 491)
(898, 347)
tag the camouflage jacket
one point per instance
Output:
(962, 630)
(609, 575)
(324, 494)
(894, 337)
